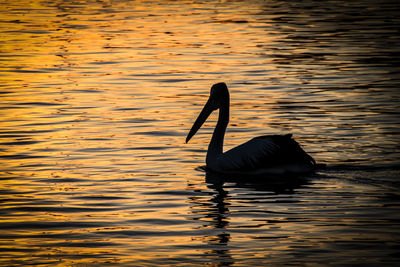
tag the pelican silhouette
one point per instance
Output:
(269, 154)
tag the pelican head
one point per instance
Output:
(219, 97)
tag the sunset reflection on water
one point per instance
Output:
(97, 98)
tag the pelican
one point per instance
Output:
(268, 154)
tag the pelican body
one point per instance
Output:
(269, 154)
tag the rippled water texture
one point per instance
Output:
(96, 99)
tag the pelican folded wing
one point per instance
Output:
(259, 152)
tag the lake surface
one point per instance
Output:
(96, 99)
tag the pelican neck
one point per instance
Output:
(215, 148)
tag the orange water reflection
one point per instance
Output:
(96, 101)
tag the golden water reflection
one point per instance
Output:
(97, 98)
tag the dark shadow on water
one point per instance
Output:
(219, 214)
(376, 175)
(217, 217)
(214, 210)
(279, 184)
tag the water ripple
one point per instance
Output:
(97, 99)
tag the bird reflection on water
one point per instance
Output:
(217, 211)
(277, 184)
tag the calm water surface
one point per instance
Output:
(96, 99)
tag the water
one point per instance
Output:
(97, 98)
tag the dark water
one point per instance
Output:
(96, 99)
